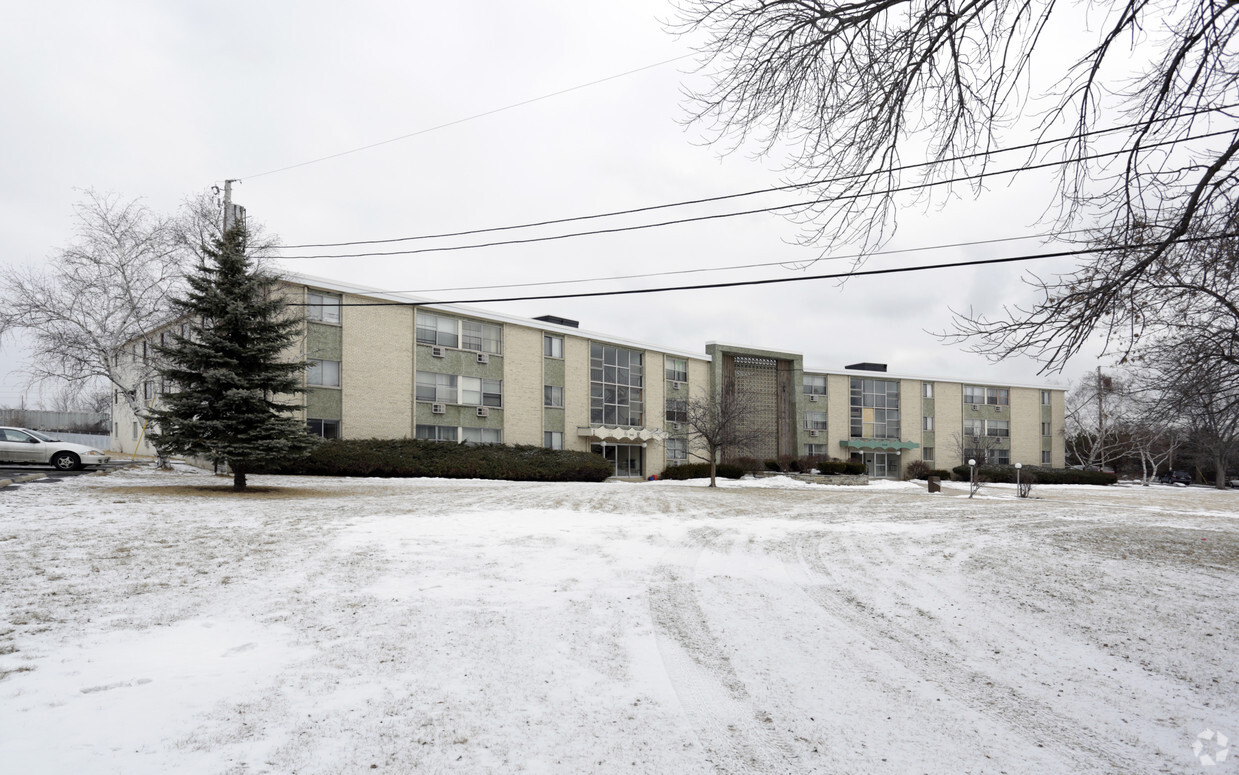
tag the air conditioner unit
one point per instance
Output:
(976, 408)
(483, 411)
(813, 396)
(483, 358)
(815, 433)
(998, 409)
(675, 426)
(438, 408)
(438, 352)
(676, 385)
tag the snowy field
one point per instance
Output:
(157, 623)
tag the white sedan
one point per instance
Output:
(20, 445)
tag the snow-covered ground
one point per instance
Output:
(156, 622)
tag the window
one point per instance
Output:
(677, 369)
(481, 392)
(553, 439)
(927, 454)
(437, 432)
(323, 308)
(874, 409)
(327, 429)
(927, 423)
(481, 435)
(148, 390)
(553, 396)
(816, 450)
(553, 346)
(1045, 429)
(436, 330)
(677, 451)
(814, 385)
(997, 428)
(1045, 398)
(484, 337)
(323, 373)
(815, 421)
(616, 386)
(974, 427)
(439, 388)
(1045, 457)
(975, 394)
(927, 390)
(1001, 457)
(677, 410)
(135, 431)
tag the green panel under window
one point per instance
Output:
(927, 438)
(323, 404)
(466, 416)
(553, 372)
(927, 407)
(460, 362)
(324, 342)
(1047, 443)
(553, 419)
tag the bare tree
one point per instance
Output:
(1099, 414)
(722, 424)
(979, 446)
(848, 92)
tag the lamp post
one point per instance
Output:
(972, 476)
(1018, 492)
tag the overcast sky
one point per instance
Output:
(164, 100)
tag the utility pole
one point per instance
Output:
(231, 215)
(1101, 421)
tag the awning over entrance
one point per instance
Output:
(878, 444)
(621, 435)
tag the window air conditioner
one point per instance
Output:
(438, 352)
(998, 409)
(675, 426)
(676, 385)
(483, 358)
(438, 408)
(815, 433)
(813, 396)
(483, 411)
(976, 408)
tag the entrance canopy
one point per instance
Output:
(881, 444)
(621, 435)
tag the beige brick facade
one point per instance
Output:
(376, 371)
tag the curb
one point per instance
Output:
(23, 478)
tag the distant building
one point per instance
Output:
(457, 374)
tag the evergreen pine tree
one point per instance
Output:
(226, 378)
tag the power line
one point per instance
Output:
(475, 116)
(737, 213)
(755, 192)
(769, 281)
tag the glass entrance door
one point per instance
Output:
(882, 465)
(626, 458)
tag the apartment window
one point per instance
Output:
(815, 421)
(553, 439)
(436, 330)
(1045, 429)
(874, 409)
(163, 338)
(677, 410)
(927, 454)
(327, 429)
(135, 431)
(616, 386)
(323, 373)
(553, 396)
(997, 428)
(484, 337)
(815, 450)
(975, 394)
(677, 451)
(322, 307)
(437, 432)
(1045, 457)
(481, 392)
(927, 423)
(148, 390)
(437, 388)
(814, 385)
(1001, 457)
(677, 369)
(927, 390)
(1045, 398)
(553, 346)
(481, 435)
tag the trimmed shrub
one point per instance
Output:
(1006, 474)
(421, 458)
(917, 469)
(749, 464)
(702, 471)
(836, 467)
(773, 465)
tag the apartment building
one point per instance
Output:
(385, 365)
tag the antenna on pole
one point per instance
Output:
(233, 214)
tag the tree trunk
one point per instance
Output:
(1219, 480)
(238, 479)
(713, 468)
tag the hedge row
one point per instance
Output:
(702, 471)
(988, 473)
(416, 458)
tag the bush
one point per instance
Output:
(773, 465)
(749, 464)
(836, 467)
(702, 471)
(917, 469)
(988, 473)
(420, 458)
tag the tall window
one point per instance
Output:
(484, 337)
(436, 329)
(927, 389)
(437, 432)
(1045, 398)
(677, 451)
(975, 394)
(677, 369)
(439, 388)
(677, 410)
(927, 422)
(323, 373)
(553, 346)
(553, 396)
(1045, 429)
(322, 307)
(927, 454)
(553, 439)
(327, 429)
(616, 383)
(815, 421)
(814, 385)
(875, 409)
(1045, 457)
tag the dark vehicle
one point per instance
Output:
(1175, 477)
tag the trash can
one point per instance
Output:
(935, 484)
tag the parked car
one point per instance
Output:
(22, 445)
(1175, 477)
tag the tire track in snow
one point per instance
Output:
(736, 737)
(1026, 716)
